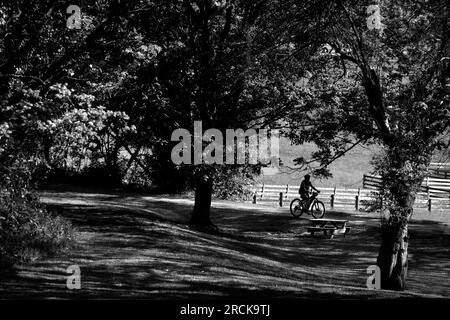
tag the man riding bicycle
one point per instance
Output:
(305, 187)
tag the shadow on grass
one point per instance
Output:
(127, 248)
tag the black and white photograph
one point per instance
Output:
(224, 156)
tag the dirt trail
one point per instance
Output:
(132, 246)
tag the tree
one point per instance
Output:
(385, 83)
(214, 68)
(50, 74)
(37, 54)
(163, 64)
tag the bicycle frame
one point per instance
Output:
(312, 199)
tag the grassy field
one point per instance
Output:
(347, 171)
(136, 246)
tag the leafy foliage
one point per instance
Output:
(27, 230)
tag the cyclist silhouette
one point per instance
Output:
(305, 187)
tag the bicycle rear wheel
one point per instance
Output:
(318, 209)
(296, 208)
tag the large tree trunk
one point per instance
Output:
(202, 206)
(393, 255)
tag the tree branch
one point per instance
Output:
(18, 76)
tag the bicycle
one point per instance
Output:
(316, 207)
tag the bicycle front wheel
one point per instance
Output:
(296, 208)
(318, 209)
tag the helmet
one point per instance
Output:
(307, 176)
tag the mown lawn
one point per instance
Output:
(133, 246)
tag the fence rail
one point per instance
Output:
(432, 187)
(341, 197)
(439, 170)
(336, 197)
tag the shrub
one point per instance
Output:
(27, 230)
(235, 183)
(371, 205)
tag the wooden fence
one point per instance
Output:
(332, 197)
(432, 187)
(340, 197)
(439, 170)
(437, 183)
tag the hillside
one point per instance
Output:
(347, 171)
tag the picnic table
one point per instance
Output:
(329, 227)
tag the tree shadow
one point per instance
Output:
(140, 247)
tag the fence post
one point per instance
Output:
(262, 191)
(281, 199)
(429, 204)
(428, 188)
(357, 199)
(287, 191)
(333, 198)
(364, 180)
